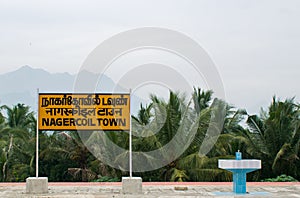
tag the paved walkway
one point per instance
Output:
(153, 189)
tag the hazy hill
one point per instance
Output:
(20, 86)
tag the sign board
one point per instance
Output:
(70, 111)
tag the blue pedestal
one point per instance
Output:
(239, 182)
(240, 168)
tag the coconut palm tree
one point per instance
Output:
(274, 138)
(201, 99)
(201, 158)
(192, 166)
(17, 133)
(144, 115)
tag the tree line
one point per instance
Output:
(273, 136)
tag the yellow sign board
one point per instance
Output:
(70, 111)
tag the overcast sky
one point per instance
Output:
(255, 44)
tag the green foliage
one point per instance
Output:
(16, 135)
(107, 179)
(273, 136)
(2, 119)
(281, 178)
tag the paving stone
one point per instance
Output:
(157, 191)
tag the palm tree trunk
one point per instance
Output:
(7, 157)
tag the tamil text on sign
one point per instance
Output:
(84, 111)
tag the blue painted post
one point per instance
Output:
(239, 182)
(238, 155)
(239, 177)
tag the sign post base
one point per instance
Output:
(131, 185)
(37, 185)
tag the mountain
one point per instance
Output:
(21, 86)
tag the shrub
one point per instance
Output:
(107, 179)
(281, 178)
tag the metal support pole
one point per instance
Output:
(37, 136)
(130, 138)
